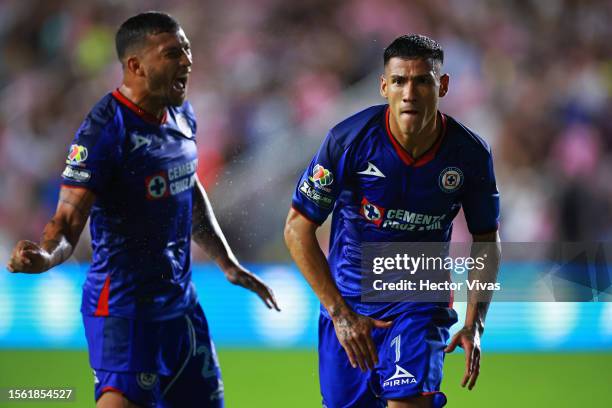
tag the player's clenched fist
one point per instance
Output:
(28, 257)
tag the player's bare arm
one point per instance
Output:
(207, 233)
(468, 337)
(353, 330)
(60, 235)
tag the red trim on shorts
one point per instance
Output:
(305, 216)
(109, 388)
(429, 155)
(138, 110)
(102, 309)
(431, 393)
(71, 186)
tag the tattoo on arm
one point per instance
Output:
(344, 327)
(342, 324)
(337, 309)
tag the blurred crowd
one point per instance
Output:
(534, 78)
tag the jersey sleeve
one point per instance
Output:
(321, 183)
(481, 198)
(93, 154)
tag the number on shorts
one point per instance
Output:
(208, 369)
(397, 341)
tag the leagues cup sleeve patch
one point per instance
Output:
(77, 154)
(76, 174)
(318, 198)
(321, 177)
(322, 181)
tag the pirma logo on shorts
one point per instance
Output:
(400, 377)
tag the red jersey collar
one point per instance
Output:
(429, 155)
(146, 116)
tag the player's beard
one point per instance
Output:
(160, 86)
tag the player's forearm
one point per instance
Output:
(489, 249)
(475, 316)
(311, 261)
(207, 233)
(56, 243)
(209, 237)
(62, 232)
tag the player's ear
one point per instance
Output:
(444, 79)
(134, 66)
(383, 86)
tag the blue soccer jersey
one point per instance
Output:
(378, 193)
(142, 171)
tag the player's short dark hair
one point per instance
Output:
(135, 30)
(414, 46)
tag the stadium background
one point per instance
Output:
(270, 76)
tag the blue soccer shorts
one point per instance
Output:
(410, 353)
(167, 364)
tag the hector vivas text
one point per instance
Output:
(410, 265)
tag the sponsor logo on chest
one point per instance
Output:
(400, 219)
(171, 182)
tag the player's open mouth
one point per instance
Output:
(410, 112)
(180, 84)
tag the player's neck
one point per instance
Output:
(417, 143)
(143, 101)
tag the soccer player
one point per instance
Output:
(132, 168)
(403, 158)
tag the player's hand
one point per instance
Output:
(241, 277)
(469, 339)
(28, 257)
(354, 332)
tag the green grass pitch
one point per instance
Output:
(261, 378)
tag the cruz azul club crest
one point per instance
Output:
(451, 178)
